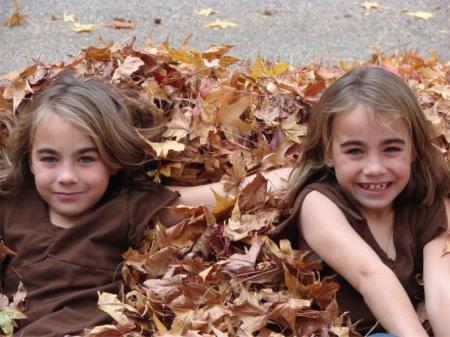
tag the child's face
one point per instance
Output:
(372, 156)
(69, 174)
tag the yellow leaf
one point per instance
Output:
(205, 11)
(82, 28)
(277, 69)
(260, 69)
(222, 203)
(368, 5)
(421, 15)
(68, 17)
(159, 325)
(162, 149)
(222, 24)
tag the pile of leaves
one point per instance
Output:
(218, 273)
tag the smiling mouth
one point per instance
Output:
(375, 187)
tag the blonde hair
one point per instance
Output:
(98, 110)
(378, 91)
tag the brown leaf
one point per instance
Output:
(16, 19)
(119, 24)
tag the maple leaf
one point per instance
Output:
(421, 15)
(110, 304)
(163, 149)
(221, 24)
(129, 66)
(205, 11)
(83, 28)
(292, 129)
(260, 69)
(20, 84)
(10, 312)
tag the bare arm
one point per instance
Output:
(437, 282)
(202, 195)
(328, 233)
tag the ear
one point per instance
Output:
(329, 160)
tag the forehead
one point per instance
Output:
(363, 124)
(53, 130)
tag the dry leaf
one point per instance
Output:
(162, 149)
(368, 5)
(205, 11)
(221, 24)
(128, 67)
(421, 15)
(16, 19)
(82, 28)
(68, 17)
(119, 24)
(110, 304)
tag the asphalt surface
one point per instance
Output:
(296, 31)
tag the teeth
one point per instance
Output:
(374, 187)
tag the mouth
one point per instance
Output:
(375, 187)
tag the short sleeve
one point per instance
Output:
(430, 222)
(143, 206)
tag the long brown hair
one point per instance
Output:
(94, 107)
(378, 91)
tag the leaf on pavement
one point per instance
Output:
(368, 5)
(82, 28)
(205, 11)
(69, 17)
(421, 15)
(120, 24)
(16, 19)
(221, 24)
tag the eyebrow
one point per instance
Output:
(80, 151)
(388, 141)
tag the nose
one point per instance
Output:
(374, 166)
(67, 175)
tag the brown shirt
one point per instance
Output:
(63, 269)
(414, 227)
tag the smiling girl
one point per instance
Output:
(368, 196)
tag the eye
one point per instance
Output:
(354, 151)
(392, 149)
(48, 159)
(86, 159)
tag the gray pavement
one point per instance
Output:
(297, 31)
